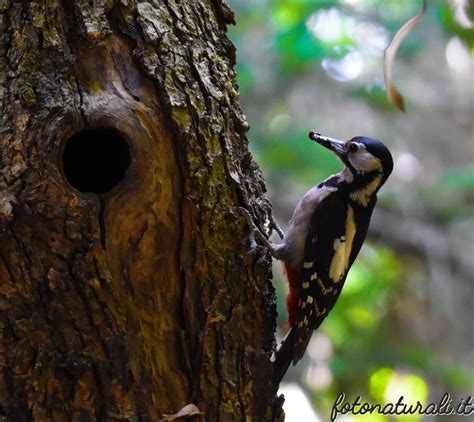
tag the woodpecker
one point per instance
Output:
(324, 236)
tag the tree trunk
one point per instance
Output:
(125, 289)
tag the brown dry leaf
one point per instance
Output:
(390, 52)
(188, 411)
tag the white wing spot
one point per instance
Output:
(309, 299)
(322, 312)
(308, 265)
(314, 276)
(325, 290)
(306, 284)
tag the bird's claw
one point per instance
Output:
(252, 244)
(253, 229)
(245, 213)
(274, 226)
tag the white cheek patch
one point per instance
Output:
(364, 161)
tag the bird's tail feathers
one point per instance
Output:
(283, 358)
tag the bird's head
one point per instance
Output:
(361, 155)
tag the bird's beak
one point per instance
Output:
(334, 145)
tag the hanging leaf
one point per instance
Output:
(390, 53)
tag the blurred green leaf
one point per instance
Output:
(451, 197)
(453, 28)
(288, 14)
(387, 386)
(297, 48)
(460, 178)
(457, 377)
(245, 77)
(444, 372)
(292, 156)
(378, 383)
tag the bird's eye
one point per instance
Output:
(353, 147)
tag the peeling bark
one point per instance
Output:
(130, 304)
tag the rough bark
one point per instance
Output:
(133, 303)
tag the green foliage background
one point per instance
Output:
(371, 344)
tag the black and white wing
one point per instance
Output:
(331, 246)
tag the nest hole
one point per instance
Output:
(95, 160)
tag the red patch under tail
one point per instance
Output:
(292, 297)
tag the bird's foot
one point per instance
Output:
(274, 226)
(254, 231)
